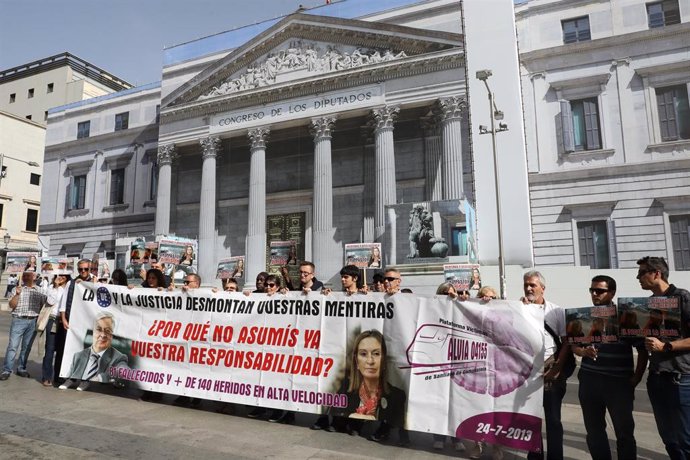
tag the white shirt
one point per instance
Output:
(55, 298)
(554, 316)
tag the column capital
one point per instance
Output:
(258, 137)
(429, 126)
(385, 117)
(451, 108)
(322, 127)
(210, 147)
(167, 154)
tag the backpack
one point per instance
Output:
(569, 365)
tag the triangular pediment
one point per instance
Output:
(302, 47)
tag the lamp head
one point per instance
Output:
(483, 75)
(498, 115)
(6, 239)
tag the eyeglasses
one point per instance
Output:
(305, 273)
(271, 284)
(644, 272)
(188, 281)
(390, 279)
(83, 269)
(598, 291)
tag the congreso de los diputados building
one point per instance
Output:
(334, 125)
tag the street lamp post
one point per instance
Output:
(2, 163)
(496, 115)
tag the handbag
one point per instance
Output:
(43, 318)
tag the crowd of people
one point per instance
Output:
(607, 377)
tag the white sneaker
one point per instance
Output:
(459, 446)
(437, 445)
(497, 452)
(83, 385)
(477, 450)
(69, 383)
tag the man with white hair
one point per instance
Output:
(534, 286)
(93, 363)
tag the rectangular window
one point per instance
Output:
(117, 186)
(35, 179)
(13, 98)
(158, 113)
(121, 121)
(77, 197)
(2, 208)
(674, 112)
(594, 244)
(576, 30)
(153, 190)
(3, 172)
(30, 94)
(50, 87)
(665, 13)
(579, 125)
(680, 240)
(83, 129)
(32, 220)
(45, 115)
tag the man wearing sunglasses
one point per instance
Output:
(668, 383)
(607, 382)
(391, 281)
(84, 274)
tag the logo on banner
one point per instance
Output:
(103, 297)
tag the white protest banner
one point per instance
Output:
(439, 366)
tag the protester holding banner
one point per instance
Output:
(118, 277)
(54, 297)
(84, 274)
(607, 382)
(25, 303)
(447, 289)
(377, 283)
(230, 285)
(668, 383)
(307, 280)
(487, 293)
(154, 279)
(391, 281)
(554, 382)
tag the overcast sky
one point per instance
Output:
(125, 37)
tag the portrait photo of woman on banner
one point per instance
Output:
(370, 395)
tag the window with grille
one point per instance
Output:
(594, 244)
(117, 186)
(576, 30)
(674, 112)
(680, 241)
(665, 13)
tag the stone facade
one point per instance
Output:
(609, 183)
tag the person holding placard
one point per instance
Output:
(607, 382)
(668, 383)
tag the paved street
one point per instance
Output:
(38, 422)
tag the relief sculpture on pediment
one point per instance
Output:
(308, 57)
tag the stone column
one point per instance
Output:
(385, 164)
(255, 246)
(432, 159)
(323, 231)
(369, 184)
(166, 156)
(451, 132)
(207, 209)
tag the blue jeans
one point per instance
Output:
(599, 393)
(669, 394)
(50, 352)
(22, 333)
